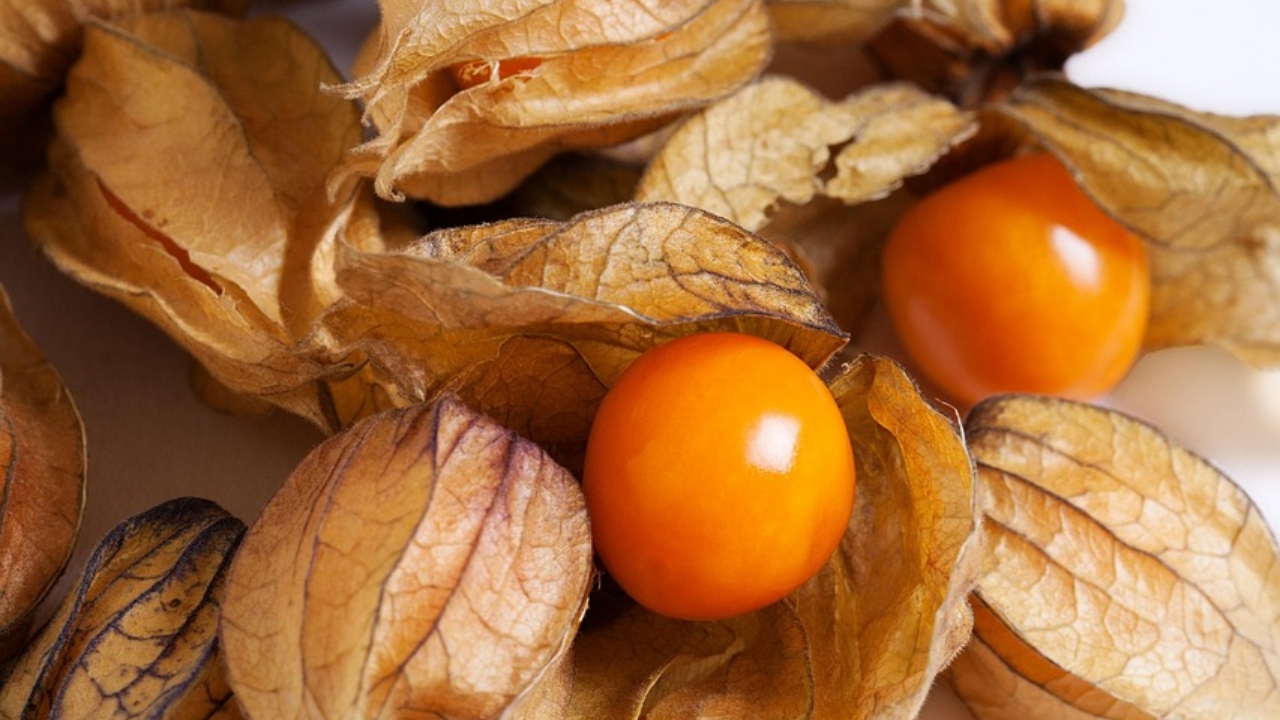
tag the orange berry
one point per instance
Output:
(719, 476)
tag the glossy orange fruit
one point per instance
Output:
(719, 476)
(1011, 280)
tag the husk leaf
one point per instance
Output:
(1127, 561)
(974, 51)
(1000, 677)
(137, 638)
(831, 21)
(40, 39)
(532, 320)
(188, 182)
(42, 479)
(424, 561)
(606, 72)
(773, 157)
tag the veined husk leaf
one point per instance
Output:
(1126, 560)
(975, 50)
(637, 663)
(425, 561)
(1203, 188)
(863, 639)
(42, 479)
(831, 21)
(775, 154)
(137, 638)
(772, 143)
(605, 72)
(532, 320)
(1001, 677)
(999, 26)
(188, 182)
(40, 39)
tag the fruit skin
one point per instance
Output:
(1011, 280)
(719, 476)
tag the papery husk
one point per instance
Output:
(972, 51)
(832, 21)
(1126, 561)
(39, 40)
(608, 72)
(996, 27)
(866, 637)
(42, 479)
(424, 561)
(532, 320)
(1203, 189)
(1000, 677)
(779, 158)
(188, 182)
(137, 638)
(642, 664)
(778, 142)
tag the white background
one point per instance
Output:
(150, 439)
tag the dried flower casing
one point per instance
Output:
(832, 21)
(187, 181)
(40, 39)
(137, 638)
(535, 78)
(778, 158)
(42, 479)
(977, 50)
(425, 560)
(532, 320)
(1125, 561)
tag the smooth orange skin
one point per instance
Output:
(693, 518)
(1011, 280)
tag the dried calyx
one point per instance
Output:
(977, 52)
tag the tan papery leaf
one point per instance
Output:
(831, 21)
(1000, 677)
(998, 26)
(188, 182)
(587, 73)
(138, 637)
(425, 561)
(1202, 188)
(742, 156)
(42, 479)
(1256, 136)
(641, 664)
(768, 156)
(771, 144)
(532, 320)
(40, 39)
(890, 612)
(972, 51)
(1126, 560)
(857, 641)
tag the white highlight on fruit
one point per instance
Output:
(773, 442)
